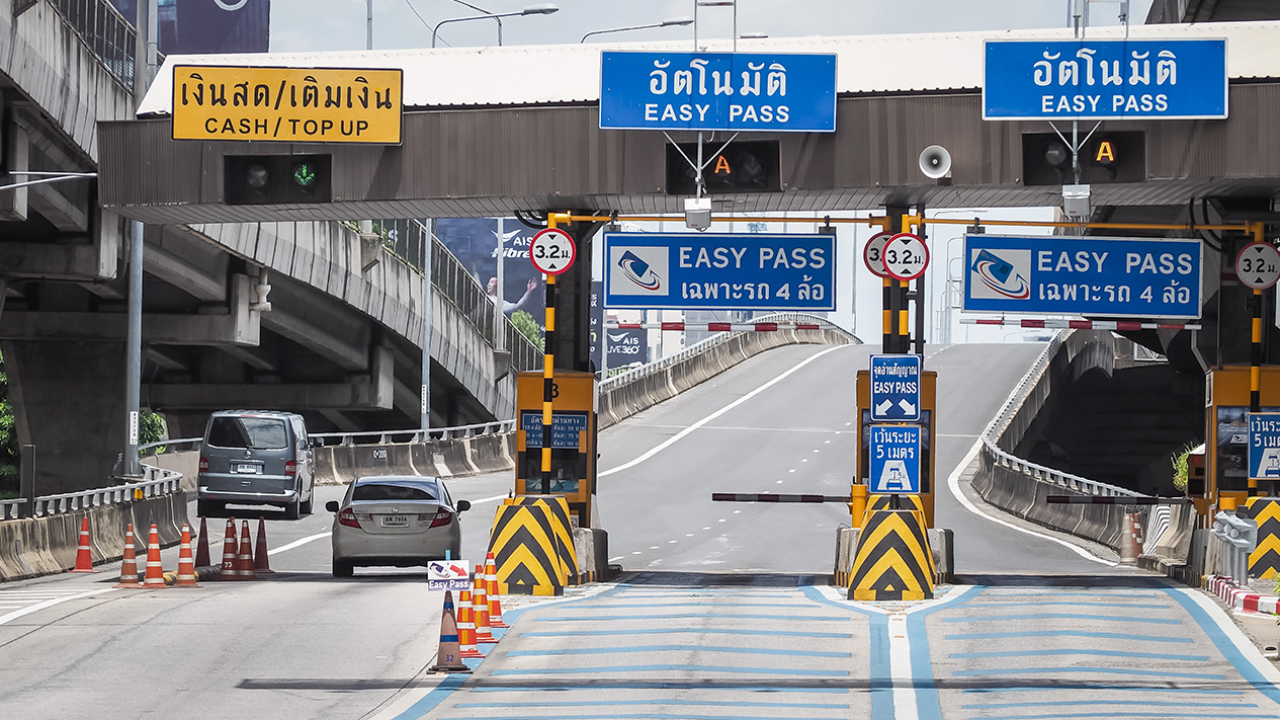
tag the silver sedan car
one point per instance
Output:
(400, 520)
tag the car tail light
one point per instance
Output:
(291, 469)
(443, 517)
(348, 518)
(204, 464)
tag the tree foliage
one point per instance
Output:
(530, 328)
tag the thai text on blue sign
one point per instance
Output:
(895, 388)
(1264, 446)
(565, 427)
(771, 92)
(1104, 79)
(1102, 277)
(895, 459)
(753, 271)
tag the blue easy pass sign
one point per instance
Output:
(895, 388)
(752, 271)
(895, 459)
(770, 92)
(1264, 446)
(1102, 277)
(1104, 79)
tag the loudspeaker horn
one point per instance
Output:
(935, 162)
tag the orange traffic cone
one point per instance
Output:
(202, 550)
(480, 607)
(491, 591)
(129, 567)
(261, 564)
(186, 567)
(448, 653)
(84, 556)
(155, 570)
(466, 628)
(228, 570)
(244, 560)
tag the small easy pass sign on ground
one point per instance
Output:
(906, 256)
(448, 575)
(552, 251)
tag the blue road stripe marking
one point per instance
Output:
(1070, 633)
(673, 667)
(1228, 649)
(491, 686)
(433, 698)
(881, 682)
(1076, 651)
(680, 648)
(690, 630)
(928, 706)
(638, 716)
(657, 701)
(1072, 603)
(700, 616)
(1067, 616)
(686, 605)
(1081, 703)
(1099, 686)
(1157, 716)
(1099, 670)
(1153, 593)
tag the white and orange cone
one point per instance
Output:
(466, 628)
(186, 566)
(84, 556)
(480, 607)
(129, 566)
(491, 592)
(244, 560)
(448, 652)
(155, 570)
(228, 570)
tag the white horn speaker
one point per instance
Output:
(935, 162)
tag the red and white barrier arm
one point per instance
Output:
(714, 327)
(1066, 324)
(778, 498)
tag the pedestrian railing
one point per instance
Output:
(387, 437)
(155, 482)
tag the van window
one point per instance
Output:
(248, 432)
(393, 491)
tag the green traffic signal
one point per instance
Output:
(304, 174)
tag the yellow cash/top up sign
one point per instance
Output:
(270, 104)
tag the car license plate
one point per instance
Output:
(247, 469)
(395, 521)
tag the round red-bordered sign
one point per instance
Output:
(873, 254)
(552, 251)
(1258, 265)
(906, 256)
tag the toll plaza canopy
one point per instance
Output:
(489, 131)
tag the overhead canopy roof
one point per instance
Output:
(570, 74)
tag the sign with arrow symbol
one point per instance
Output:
(448, 575)
(895, 388)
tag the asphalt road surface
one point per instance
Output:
(721, 613)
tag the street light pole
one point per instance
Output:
(541, 9)
(669, 22)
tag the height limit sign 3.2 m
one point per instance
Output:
(906, 256)
(895, 388)
(1258, 265)
(552, 251)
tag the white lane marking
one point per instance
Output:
(49, 603)
(904, 689)
(683, 433)
(299, 543)
(688, 534)
(672, 542)
(779, 482)
(636, 552)
(953, 482)
(791, 470)
(816, 450)
(735, 512)
(722, 519)
(612, 559)
(1233, 633)
(706, 528)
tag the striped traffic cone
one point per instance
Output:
(261, 565)
(202, 549)
(480, 607)
(228, 569)
(186, 566)
(466, 628)
(448, 652)
(491, 592)
(155, 570)
(84, 556)
(129, 567)
(244, 560)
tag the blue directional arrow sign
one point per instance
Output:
(1264, 446)
(895, 459)
(895, 388)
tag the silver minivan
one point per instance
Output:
(254, 457)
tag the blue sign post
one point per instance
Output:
(895, 388)
(1105, 79)
(1264, 446)
(771, 92)
(1101, 277)
(720, 272)
(895, 459)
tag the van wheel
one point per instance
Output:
(342, 569)
(205, 508)
(308, 505)
(291, 511)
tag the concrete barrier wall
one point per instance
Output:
(186, 462)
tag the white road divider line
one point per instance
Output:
(683, 433)
(49, 603)
(299, 543)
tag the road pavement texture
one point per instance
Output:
(721, 613)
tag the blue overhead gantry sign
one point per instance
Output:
(769, 92)
(895, 388)
(895, 459)
(1264, 446)
(1105, 79)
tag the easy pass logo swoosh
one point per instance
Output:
(639, 272)
(1014, 287)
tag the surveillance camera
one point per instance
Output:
(697, 213)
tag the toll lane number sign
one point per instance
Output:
(895, 459)
(552, 251)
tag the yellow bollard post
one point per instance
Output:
(859, 504)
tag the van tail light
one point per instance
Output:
(348, 518)
(204, 464)
(291, 469)
(443, 517)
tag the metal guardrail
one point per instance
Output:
(1040, 473)
(155, 483)
(107, 34)
(162, 447)
(386, 437)
(1234, 538)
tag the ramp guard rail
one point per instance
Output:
(155, 483)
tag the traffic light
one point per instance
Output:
(277, 179)
(741, 167)
(1106, 157)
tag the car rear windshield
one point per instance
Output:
(248, 432)
(393, 491)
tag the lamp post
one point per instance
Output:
(540, 9)
(669, 22)
(715, 3)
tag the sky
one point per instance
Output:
(319, 25)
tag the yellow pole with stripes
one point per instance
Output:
(548, 372)
(1255, 351)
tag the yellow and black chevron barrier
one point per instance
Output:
(527, 551)
(557, 508)
(1264, 561)
(882, 502)
(892, 560)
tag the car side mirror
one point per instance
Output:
(331, 506)
(464, 505)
